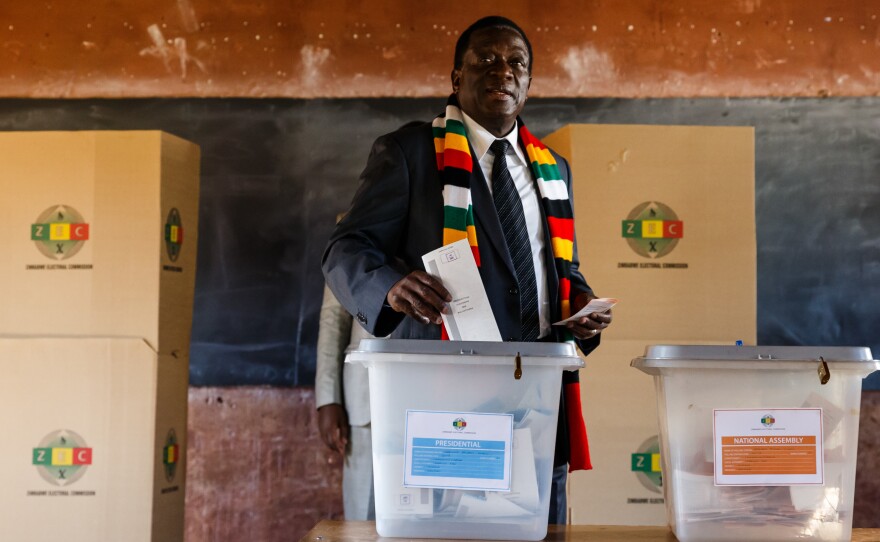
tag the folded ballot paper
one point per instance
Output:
(601, 304)
(521, 500)
(470, 316)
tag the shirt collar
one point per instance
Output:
(481, 139)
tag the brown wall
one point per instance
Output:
(256, 468)
(339, 48)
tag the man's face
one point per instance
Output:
(493, 82)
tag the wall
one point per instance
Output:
(257, 468)
(340, 48)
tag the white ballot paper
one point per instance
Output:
(470, 317)
(601, 304)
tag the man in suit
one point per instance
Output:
(470, 159)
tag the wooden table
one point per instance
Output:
(365, 531)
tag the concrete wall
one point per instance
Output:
(339, 48)
(257, 470)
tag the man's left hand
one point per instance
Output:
(590, 325)
(333, 427)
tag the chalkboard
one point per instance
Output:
(276, 172)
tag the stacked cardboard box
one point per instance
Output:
(665, 219)
(97, 278)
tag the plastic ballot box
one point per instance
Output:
(463, 435)
(758, 443)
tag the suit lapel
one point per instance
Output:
(487, 217)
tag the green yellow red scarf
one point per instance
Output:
(455, 163)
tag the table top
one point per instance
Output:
(365, 531)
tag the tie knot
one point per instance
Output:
(499, 147)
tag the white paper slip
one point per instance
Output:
(470, 317)
(524, 482)
(600, 304)
(490, 505)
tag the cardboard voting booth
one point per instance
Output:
(621, 417)
(97, 280)
(95, 429)
(665, 220)
(464, 434)
(758, 443)
(100, 234)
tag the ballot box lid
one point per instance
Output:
(563, 355)
(755, 357)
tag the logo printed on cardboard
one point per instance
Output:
(59, 232)
(646, 465)
(652, 229)
(767, 420)
(173, 234)
(459, 424)
(62, 457)
(170, 455)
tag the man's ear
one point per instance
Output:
(455, 76)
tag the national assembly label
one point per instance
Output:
(762, 447)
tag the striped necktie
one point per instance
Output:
(513, 222)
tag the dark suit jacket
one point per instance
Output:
(397, 216)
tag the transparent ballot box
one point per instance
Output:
(463, 435)
(758, 442)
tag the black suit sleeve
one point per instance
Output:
(359, 262)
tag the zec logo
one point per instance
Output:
(646, 465)
(652, 229)
(170, 455)
(768, 420)
(173, 234)
(62, 457)
(59, 232)
(459, 424)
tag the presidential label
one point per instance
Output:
(458, 450)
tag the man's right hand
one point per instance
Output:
(333, 427)
(420, 296)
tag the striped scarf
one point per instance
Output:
(455, 163)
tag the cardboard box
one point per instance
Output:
(100, 235)
(94, 445)
(620, 411)
(665, 222)
(665, 219)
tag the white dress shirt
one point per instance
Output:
(480, 140)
